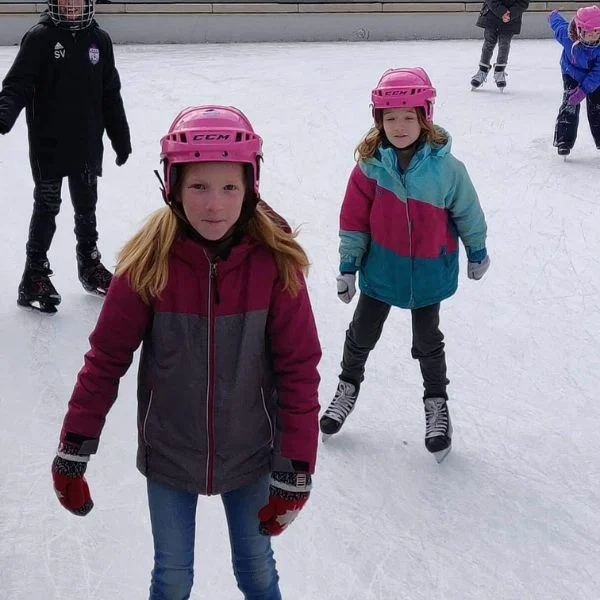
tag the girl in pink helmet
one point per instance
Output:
(213, 288)
(580, 65)
(407, 203)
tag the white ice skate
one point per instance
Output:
(479, 78)
(500, 76)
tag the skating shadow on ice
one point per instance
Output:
(41, 353)
(512, 505)
(584, 159)
(87, 303)
(494, 90)
(369, 443)
(583, 154)
(511, 94)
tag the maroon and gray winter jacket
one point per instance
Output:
(227, 382)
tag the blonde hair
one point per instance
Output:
(145, 257)
(375, 137)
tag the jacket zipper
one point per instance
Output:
(210, 442)
(410, 250)
(146, 419)
(410, 253)
(262, 395)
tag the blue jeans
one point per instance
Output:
(173, 518)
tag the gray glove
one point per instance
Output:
(476, 270)
(346, 287)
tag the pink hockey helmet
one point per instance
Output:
(404, 88)
(587, 20)
(210, 133)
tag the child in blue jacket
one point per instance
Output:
(580, 65)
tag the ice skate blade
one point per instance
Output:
(36, 306)
(325, 436)
(441, 455)
(96, 292)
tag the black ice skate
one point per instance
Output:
(479, 78)
(438, 428)
(94, 276)
(339, 409)
(564, 151)
(500, 76)
(36, 291)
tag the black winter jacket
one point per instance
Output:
(491, 13)
(72, 92)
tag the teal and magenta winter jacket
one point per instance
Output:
(580, 62)
(400, 230)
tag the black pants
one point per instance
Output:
(491, 37)
(83, 188)
(427, 345)
(567, 121)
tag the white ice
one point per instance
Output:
(514, 511)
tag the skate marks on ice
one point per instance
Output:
(481, 507)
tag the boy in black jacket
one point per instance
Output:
(501, 20)
(65, 76)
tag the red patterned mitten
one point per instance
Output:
(288, 494)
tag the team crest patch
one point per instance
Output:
(94, 54)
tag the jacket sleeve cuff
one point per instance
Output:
(348, 265)
(477, 255)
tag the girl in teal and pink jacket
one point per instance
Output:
(407, 203)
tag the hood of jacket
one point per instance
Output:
(386, 157)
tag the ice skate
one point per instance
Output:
(339, 409)
(479, 78)
(36, 291)
(500, 76)
(93, 275)
(564, 152)
(438, 428)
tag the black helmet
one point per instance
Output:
(71, 14)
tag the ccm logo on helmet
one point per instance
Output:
(397, 92)
(211, 137)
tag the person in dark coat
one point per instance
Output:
(500, 20)
(65, 76)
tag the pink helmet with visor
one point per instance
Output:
(404, 88)
(210, 133)
(587, 20)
